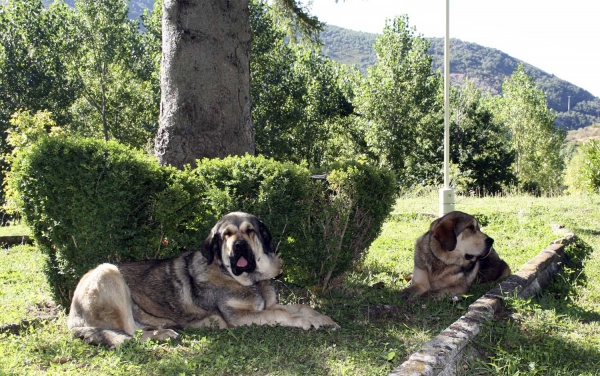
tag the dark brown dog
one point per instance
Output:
(452, 255)
(227, 284)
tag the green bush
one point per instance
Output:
(573, 177)
(87, 202)
(90, 201)
(591, 167)
(320, 227)
(348, 212)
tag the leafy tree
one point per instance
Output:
(481, 155)
(275, 91)
(346, 133)
(537, 143)
(323, 102)
(574, 180)
(148, 65)
(127, 112)
(25, 129)
(295, 95)
(104, 54)
(591, 168)
(479, 144)
(33, 75)
(423, 165)
(398, 93)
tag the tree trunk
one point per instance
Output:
(205, 81)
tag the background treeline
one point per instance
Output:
(487, 67)
(96, 73)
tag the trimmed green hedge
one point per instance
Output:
(89, 201)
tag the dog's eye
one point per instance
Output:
(226, 234)
(250, 231)
(469, 257)
(471, 227)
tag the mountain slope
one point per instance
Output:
(486, 66)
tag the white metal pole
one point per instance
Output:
(447, 98)
(447, 194)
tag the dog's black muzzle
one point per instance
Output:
(489, 242)
(243, 258)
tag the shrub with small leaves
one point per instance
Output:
(573, 177)
(90, 201)
(87, 202)
(348, 215)
(591, 167)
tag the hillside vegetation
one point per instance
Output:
(487, 67)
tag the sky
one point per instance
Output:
(558, 37)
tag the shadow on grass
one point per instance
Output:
(548, 333)
(586, 231)
(378, 331)
(526, 346)
(248, 350)
(562, 292)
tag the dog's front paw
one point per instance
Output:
(405, 295)
(317, 320)
(307, 313)
(159, 334)
(299, 321)
(304, 321)
(413, 292)
(408, 294)
(326, 321)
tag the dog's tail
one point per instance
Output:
(99, 336)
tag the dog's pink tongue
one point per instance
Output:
(242, 262)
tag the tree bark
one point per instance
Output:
(205, 81)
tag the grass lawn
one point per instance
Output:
(557, 333)
(14, 230)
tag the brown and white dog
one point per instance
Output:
(452, 255)
(227, 284)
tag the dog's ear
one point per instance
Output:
(267, 239)
(445, 232)
(211, 246)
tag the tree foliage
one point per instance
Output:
(104, 54)
(481, 155)
(591, 167)
(537, 142)
(33, 74)
(397, 94)
(89, 66)
(295, 94)
(295, 20)
(98, 74)
(479, 144)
